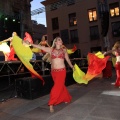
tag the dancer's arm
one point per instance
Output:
(110, 51)
(46, 49)
(6, 40)
(48, 44)
(68, 59)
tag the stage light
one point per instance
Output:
(13, 20)
(6, 18)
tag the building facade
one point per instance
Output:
(90, 25)
(38, 30)
(15, 15)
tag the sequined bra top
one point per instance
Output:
(60, 54)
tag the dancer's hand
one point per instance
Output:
(105, 53)
(73, 68)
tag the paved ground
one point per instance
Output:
(99, 100)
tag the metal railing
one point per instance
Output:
(11, 68)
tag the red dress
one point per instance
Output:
(117, 83)
(117, 67)
(59, 92)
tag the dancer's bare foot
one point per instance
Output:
(51, 109)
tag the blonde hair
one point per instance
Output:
(53, 45)
(116, 45)
(14, 34)
(43, 38)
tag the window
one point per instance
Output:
(65, 36)
(94, 33)
(72, 19)
(116, 29)
(114, 9)
(54, 36)
(92, 14)
(74, 36)
(55, 24)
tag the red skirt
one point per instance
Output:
(117, 83)
(107, 71)
(59, 93)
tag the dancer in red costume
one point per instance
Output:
(116, 51)
(44, 42)
(11, 55)
(59, 92)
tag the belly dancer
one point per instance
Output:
(58, 54)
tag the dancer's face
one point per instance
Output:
(59, 41)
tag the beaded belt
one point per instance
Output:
(57, 70)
